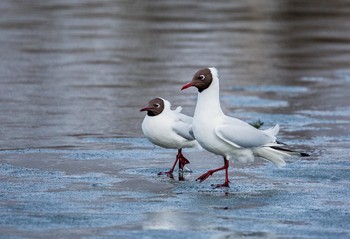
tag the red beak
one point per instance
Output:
(189, 84)
(146, 109)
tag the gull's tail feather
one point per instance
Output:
(273, 131)
(178, 109)
(273, 155)
(276, 154)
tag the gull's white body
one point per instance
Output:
(231, 137)
(169, 129)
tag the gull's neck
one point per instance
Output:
(208, 101)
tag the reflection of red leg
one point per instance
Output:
(182, 160)
(211, 172)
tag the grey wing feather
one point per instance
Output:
(242, 135)
(183, 129)
(183, 126)
(185, 118)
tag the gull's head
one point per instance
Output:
(156, 106)
(202, 79)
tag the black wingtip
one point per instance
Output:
(279, 142)
(289, 150)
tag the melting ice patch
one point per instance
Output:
(343, 75)
(271, 119)
(45, 181)
(40, 199)
(252, 101)
(314, 79)
(339, 111)
(272, 88)
(126, 148)
(297, 120)
(134, 142)
(94, 154)
(340, 75)
(112, 154)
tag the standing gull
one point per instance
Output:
(227, 136)
(168, 129)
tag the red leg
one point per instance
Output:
(227, 182)
(211, 172)
(170, 172)
(182, 160)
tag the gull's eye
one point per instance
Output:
(201, 77)
(156, 105)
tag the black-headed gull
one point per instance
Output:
(227, 136)
(168, 129)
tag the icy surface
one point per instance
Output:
(74, 75)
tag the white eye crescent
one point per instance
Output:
(157, 105)
(201, 77)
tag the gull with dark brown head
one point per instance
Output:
(168, 129)
(227, 136)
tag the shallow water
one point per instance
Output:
(74, 74)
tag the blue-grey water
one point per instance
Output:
(74, 74)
